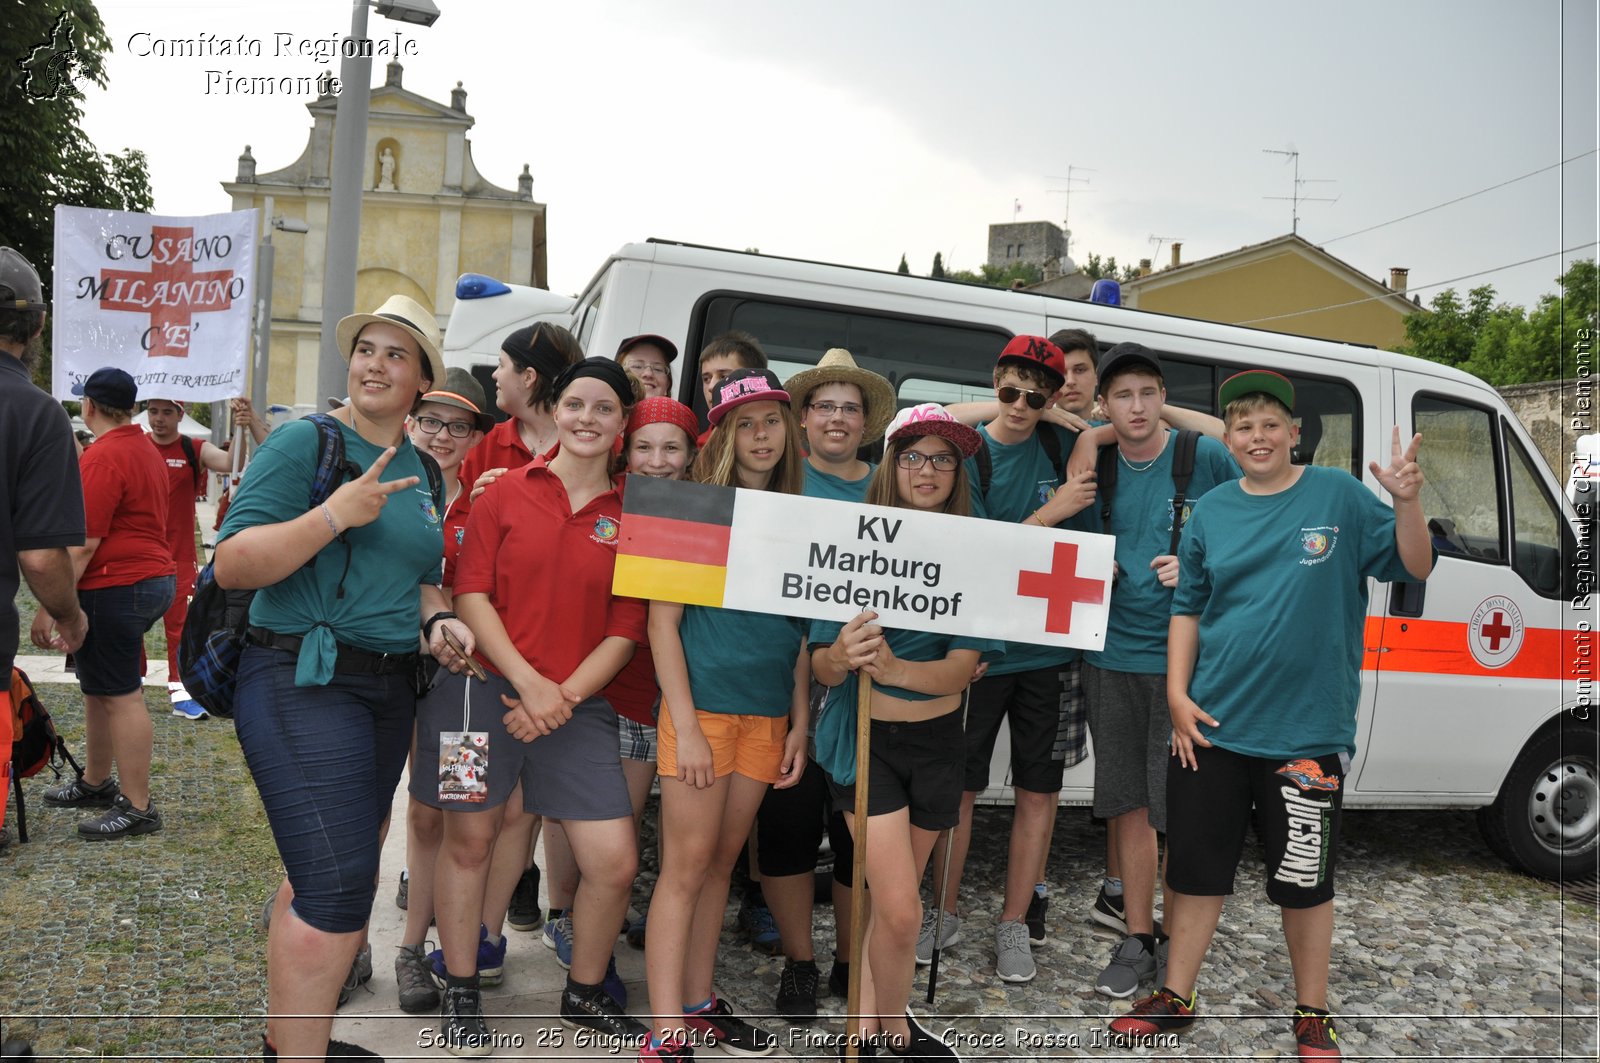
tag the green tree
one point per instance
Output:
(1097, 268)
(938, 265)
(904, 267)
(49, 46)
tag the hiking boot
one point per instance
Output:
(949, 934)
(360, 974)
(925, 1044)
(414, 980)
(614, 986)
(523, 914)
(735, 1036)
(594, 1009)
(1315, 1033)
(797, 991)
(1035, 917)
(491, 961)
(402, 895)
(122, 820)
(75, 793)
(461, 1025)
(1013, 959)
(336, 1050)
(1108, 911)
(669, 1049)
(636, 931)
(1163, 1012)
(558, 937)
(1131, 963)
(839, 977)
(758, 925)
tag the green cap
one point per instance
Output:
(1252, 381)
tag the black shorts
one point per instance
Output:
(790, 822)
(1295, 805)
(1049, 731)
(110, 657)
(912, 765)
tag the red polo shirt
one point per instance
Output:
(501, 448)
(456, 512)
(125, 503)
(547, 570)
(633, 692)
(185, 482)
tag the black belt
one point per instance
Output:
(349, 660)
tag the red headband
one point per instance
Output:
(658, 409)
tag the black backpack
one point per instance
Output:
(1182, 468)
(35, 743)
(214, 627)
(1052, 450)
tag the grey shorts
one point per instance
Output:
(572, 773)
(1131, 728)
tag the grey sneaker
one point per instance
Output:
(411, 975)
(1131, 964)
(1013, 957)
(360, 974)
(75, 793)
(1162, 944)
(122, 820)
(949, 935)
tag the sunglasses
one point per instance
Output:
(1008, 394)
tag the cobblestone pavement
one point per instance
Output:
(149, 948)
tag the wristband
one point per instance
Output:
(427, 625)
(327, 516)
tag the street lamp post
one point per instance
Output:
(345, 187)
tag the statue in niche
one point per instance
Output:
(386, 171)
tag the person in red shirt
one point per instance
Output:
(125, 582)
(530, 360)
(187, 462)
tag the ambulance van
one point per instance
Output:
(1477, 686)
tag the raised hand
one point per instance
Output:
(358, 502)
(1403, 478)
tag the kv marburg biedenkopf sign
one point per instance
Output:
(168, 299)
(827, 560)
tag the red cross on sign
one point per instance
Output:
(1496, 629)
(171, 293)
(1061, 588)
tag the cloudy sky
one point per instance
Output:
(857, 131)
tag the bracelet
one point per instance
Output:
(1036, 520)
(427, 625)
(327, 516)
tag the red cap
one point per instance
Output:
(1036, 350)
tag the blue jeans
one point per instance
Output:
(326, 761)
(108, 660)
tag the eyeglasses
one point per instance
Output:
(1008, 394)
(828, 409)
(431, 425)
(912, 460)
(641, 368)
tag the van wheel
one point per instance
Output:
(1546, 820)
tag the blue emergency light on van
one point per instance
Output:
(1104, 292)
(477, 286)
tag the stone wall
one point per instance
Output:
(1544, 410)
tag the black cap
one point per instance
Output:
(110, 387)
(1124, 357)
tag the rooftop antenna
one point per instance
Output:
(1159, 240)
(1296, 199)
(1066, 211)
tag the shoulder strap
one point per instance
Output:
(1105, 481)
(193, 457)
(985, 469)
(430, 465)
(1182, 470)
(332, 468)
(1052, 450)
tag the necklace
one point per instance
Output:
(1137, 468)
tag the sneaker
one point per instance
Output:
(839, 977)
(1013, 959)
(636, 931)
(266, 909)
(461, 1024)
(360, 974)
(558, 937)
(122, 820)
(75, 793)
(797, 991)
(722, 1027)
(758, 925)
(925, 1044)
(188, 708)
(402, 895)
(336, 1050)
(668, 1049)
(491, 961)
(414, 980)
(1164, 1012)
(614, 986)
(1316, 1035)
(594, 1009)
(1163, 943)
(949, 934)
(523, 914)
(1108, 911)
(1035, 917)
(1131, 963)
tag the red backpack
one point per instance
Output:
(35, 743)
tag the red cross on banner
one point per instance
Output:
(1061, 588)
(171, 292)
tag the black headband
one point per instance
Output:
(602, 369)
(532, 348)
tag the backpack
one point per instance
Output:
(35, 743)
(1052, 450)
(215, 625)
(195, 471)
(1182, 468)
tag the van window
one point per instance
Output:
(1460, 495)
(586, 323)
(1535, 524)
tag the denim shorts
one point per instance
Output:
(326, 760)
(109, 659)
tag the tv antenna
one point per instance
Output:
(1296, 199)
(1066, 211)
(1159, 240)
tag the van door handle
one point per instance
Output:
(1406, 598)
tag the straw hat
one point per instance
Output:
(408, 314)
(838, 366)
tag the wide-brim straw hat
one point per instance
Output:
(408, 314)
(838, 366)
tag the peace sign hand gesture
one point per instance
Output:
(1403, 478)
(358, 502)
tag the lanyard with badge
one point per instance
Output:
(464, 754)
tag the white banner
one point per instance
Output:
(167, 299)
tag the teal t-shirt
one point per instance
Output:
(1021, 480)
(826, 485)
(389, 558)
(740, 663)
(1279, 583)
(1141, 519)
(908, 646)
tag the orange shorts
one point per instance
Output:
(749, 745)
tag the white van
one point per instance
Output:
(1477, 689)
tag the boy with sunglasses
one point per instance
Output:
(1029, 686)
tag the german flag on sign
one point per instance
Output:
(674, 542)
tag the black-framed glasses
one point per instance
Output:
(828, 409)
(912, 460)
(1008, 394)
(431, 425)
